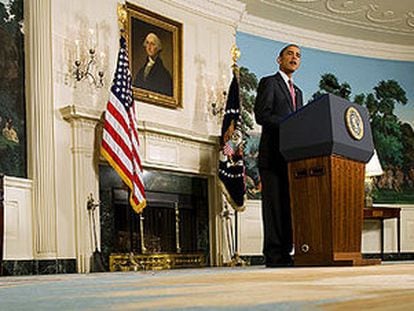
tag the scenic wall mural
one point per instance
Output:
(12, 101)
(384, 87)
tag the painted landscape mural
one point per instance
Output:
(12, 100)
(384, 87)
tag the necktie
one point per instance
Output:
(292, 94)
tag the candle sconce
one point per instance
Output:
(87, 67)
(84, 69)
(216, 95)
(217, 102)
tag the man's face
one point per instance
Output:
(289, 62)
(151, 47)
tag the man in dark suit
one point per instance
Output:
(277, 97)
(153, 76)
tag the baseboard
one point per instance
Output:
(253, 260)
(38, 267)
(390, 256)
(257, 260)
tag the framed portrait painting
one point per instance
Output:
(155, 45)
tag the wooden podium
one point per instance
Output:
(327, 144)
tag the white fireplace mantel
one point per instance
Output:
(162, 147)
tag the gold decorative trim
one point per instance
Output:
(354, 123)
(136, 262)
(122, 16)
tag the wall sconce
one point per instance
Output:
(86, 66)
(372, 168)
(217, 102)
(216, 95)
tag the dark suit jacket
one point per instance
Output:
(273, 105)
(158, 80)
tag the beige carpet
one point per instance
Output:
(383, 287)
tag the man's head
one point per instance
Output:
(289, 59)
(152, 45)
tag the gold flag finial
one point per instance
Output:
(235, 55)
(122, 16)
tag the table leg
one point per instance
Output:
(399, 235)
(382, 239)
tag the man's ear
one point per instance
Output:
(278, 60)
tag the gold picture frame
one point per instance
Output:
(162, 84)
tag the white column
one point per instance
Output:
(85, 158)
(41, 148)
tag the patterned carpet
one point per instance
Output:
(383, 287)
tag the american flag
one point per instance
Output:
(228, 150)
(120, 144)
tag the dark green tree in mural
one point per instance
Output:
(330, 84)
(393, 139)
(248, 86)
(407, 138)
(385, 125)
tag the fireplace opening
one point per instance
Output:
(173, 228)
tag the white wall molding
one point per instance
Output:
(41, 127)
(180, 150)
(181, 133)
(227, 12)
(83, 122)
(80, 112)
(312, 39)
(18, 233)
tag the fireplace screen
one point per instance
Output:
(174, 221)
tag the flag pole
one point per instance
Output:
(120, 142)
(232, 236)
(235, 55)
(228, 228)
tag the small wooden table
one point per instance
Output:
(1, 223)
(382, 213)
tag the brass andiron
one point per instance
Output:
(177, 228)
(141, 232)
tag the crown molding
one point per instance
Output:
(312, 39)
(227, 12)
(368, 15)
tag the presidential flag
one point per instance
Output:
(120, 144)
(231, 162)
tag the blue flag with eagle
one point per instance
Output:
(231, 162)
